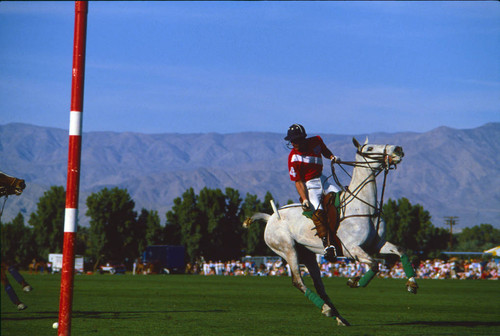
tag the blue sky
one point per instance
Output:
(198, 67)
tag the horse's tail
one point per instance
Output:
(257, 216)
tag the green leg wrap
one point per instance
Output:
(365, 280)
(318, 302)
(409, 271)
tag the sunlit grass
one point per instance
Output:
(199, 305)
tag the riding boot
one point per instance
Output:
(320, 221)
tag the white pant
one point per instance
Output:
(317, 187)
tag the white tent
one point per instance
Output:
(493, 251)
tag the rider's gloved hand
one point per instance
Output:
(336, 159)
(306, 205)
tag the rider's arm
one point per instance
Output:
(301, 189)
(330, 155)
(325, 151)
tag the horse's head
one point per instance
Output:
(11, 185)
(386, 155)
(19, 186)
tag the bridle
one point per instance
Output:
(384, 158)
(384, 163)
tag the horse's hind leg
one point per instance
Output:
(285, 247)
(309, 259)
(19, 278)
(322, 301)
(10, 291)
(286, 250)
(411, 284)
(291, 257)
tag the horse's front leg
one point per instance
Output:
(363, 257)
(411, 284)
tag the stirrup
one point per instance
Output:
(330, 253)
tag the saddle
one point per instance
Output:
(331, 205)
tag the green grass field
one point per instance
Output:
(199, 305)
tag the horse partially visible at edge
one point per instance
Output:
(8, 287)
(10, 185)
(291, 235)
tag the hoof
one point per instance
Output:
(412, 286)
(330, 311)
(353, 282)
(247, 222)
(342, 321)
(327, 311)
(21, 306)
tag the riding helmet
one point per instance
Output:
(296, 132)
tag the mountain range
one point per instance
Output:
(450, 172)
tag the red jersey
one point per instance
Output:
(308, 163)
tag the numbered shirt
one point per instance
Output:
(308, 163)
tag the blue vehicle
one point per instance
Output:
(165, 258)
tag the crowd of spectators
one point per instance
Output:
(428, 269)
(458, 269)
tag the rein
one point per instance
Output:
(386, 166)
(3, 206)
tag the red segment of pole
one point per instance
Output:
(81, 8)
(73, 179)
(67, 278)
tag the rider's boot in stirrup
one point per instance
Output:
(330, 251)
(319, 219)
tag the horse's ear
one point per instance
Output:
(355, 142)
(366, 141)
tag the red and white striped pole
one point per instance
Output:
(73, 180)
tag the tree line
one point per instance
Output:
(207, 224)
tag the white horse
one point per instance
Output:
(291, 235)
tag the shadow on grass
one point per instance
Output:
(449, 323)
(54, 315)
